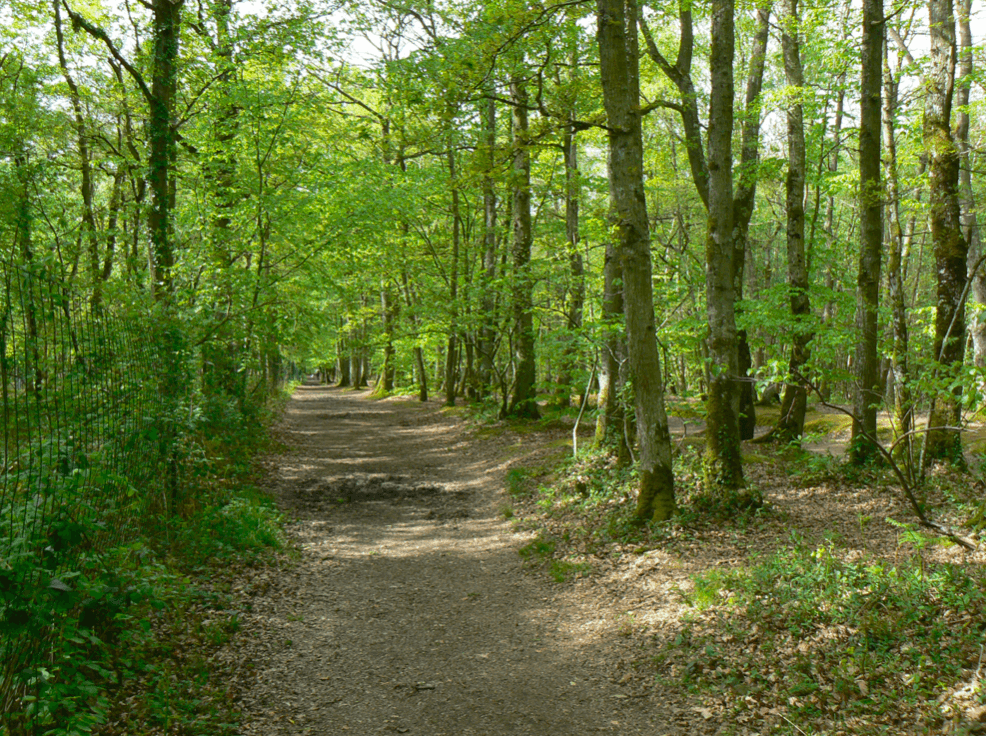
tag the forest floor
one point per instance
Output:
(409, 609)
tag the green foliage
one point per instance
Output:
(819, 635)
(538, 549)
(540, 552)
(518, 481)
(563, 570)
(243, 529)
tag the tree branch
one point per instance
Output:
(887, 455)
(98, 33)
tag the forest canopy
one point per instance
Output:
(611, 204)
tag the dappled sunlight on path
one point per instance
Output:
(410, 610)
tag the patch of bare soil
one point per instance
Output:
(410, 610)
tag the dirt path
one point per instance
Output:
(410, 611)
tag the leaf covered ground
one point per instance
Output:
(818, 609)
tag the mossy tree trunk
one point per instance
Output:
(724, 467)
(942, 441)
(866, 363)
(619, 67)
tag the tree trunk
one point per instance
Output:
(576, 290)
(452, 356)
(87, 186)
(723, 461)
(866, 362)
(680, 75)
(942, 441)
(342, 360)
(388, 309)
(610, 407)
(903, 405)
(523, 401)
(743, 203)
(24, 241)
(487, 333)
(791, 424)
(618, 56)
(356, 368)
(163, 153)
(829, 309)
(967, 199)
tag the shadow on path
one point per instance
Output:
(410, 611)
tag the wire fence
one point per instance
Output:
(80, 460)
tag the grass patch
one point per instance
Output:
(540, 552)
(562, 570)
(826, 424)
(537, 550)
(519, 481)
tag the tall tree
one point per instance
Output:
(724, 468)
(967, 197)
(942, 441)
(523, 401)
(791, 424)
(743, 205)
(744, 198)
(897, 253)
(486, 343)
(619, 67)
(866, 362)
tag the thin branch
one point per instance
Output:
(96, 32)
(895, 466)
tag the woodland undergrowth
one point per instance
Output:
(130, 654)
(789, 624)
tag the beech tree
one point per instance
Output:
(951, 250)
(619, 60)
(866, 397)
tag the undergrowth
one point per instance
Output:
(809, 639)
(118, 640)
(808, 636)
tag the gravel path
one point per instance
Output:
(410, 610)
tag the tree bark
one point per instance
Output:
(723, 461)
(942, 441)
(680, 75)
(866, 397)
(967, 198)
(388, 317)
(618, 56)
(523, 401)
(452, 354)
(487, 333)
(791, 424)
(87, 186)
(163, 153)
(342, 360)
(576, 289)
(743, 203)
(903, 405)
(611, 414)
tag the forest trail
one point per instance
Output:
(410, 610)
